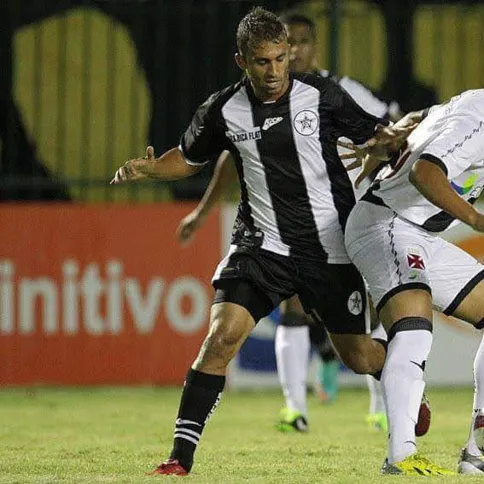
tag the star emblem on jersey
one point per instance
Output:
(306, 122)
(355, 303)
(415, 261)
(269, 122)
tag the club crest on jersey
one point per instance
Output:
(239, 136)
(355, 303)
(269, 122)
(306, 122)
(415, 260)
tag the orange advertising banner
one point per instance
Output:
(102, 294)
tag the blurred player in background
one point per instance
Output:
(296, 330)
(392, 237)
(281, 129)
(302, 36)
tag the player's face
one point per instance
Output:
(303, 48)
(267, 67)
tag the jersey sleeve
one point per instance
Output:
(365, 97)
(350, 120)
(204, 139)
(458, 147)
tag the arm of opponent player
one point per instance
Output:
(224, 175)
(431, 181)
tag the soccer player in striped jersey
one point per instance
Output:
(392, 237)
(296, 331)
(281, 130)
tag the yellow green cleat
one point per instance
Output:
(377, 421)
(415, 465)
(291, 421)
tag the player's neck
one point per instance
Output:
(266, 98)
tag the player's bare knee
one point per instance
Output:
(363, 365)
(359, 361)
(225, 336)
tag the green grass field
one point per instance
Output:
(116, 434)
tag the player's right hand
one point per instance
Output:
(135, 169)
(188, 226)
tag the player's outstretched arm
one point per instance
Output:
(224, 175)
(431, 181)
(169, 166)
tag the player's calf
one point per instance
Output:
(360, 353)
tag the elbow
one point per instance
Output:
(415, 176)
(422, 174)
(193, 169)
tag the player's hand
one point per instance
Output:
(390, 138)
(355, 152)
(136, 169)
(188, 226)
(368, 158)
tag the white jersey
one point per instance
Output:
(451, 136)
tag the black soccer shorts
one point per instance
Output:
(333, 294)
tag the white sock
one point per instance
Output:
(377, 404)
(403, 386)
(292, 354)
(478, 396)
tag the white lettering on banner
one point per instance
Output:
(6, 296)
(84, 299)
(192, 321)
(144, 312)
(115, 298)
(91, 289)
(30, 290)
(70, 307)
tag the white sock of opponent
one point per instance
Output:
(292, 354)
(377, 404)
(410, 340)
(478, 397)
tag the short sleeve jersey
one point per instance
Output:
(451, 136)
(295, 192)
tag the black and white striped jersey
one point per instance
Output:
(370, 103)
(295, 192)
(366, 98)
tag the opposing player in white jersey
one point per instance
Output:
(296, 332)
(392, 237)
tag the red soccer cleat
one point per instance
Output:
(424, 414)
(170, 467)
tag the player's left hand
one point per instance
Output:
(390, 138)
(188, 226)
(377, 150)
(369, 164)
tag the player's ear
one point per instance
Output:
(240, 60)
